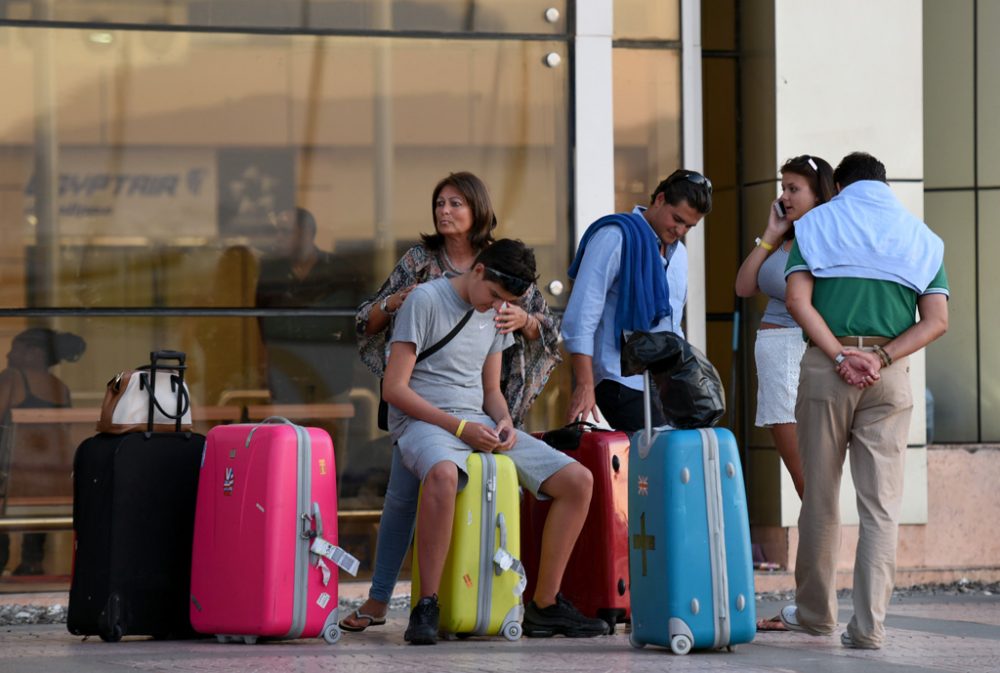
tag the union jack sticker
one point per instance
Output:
(643, 485)
(227, 483)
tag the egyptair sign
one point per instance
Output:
(149, 192)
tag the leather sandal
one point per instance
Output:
(773, 624)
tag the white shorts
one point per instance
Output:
(778, 353)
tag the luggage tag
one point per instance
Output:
(505, 561)
(336, 554)
(327, 573)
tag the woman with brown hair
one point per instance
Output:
(806, 182)
(464, 221)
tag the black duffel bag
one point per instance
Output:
(690, 390)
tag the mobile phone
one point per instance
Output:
(779, 208)
(504, 434)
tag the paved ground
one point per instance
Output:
(952, 632)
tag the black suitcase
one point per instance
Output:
(133, 522)
(134, 496)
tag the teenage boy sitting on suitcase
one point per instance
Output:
(449, 404)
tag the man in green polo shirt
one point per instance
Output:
(860, 269)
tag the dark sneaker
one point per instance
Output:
(560, 618)
(27, 569)
(423, 626)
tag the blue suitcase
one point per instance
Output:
(689, 554)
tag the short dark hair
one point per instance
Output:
(858, 166)
(475, 193)
(685, 185)
(304, 220)
(57, 346)
(510, 263)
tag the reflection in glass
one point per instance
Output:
(647, 122)
(165, 160)
(448, 16)
(645, 20)
(197, 148)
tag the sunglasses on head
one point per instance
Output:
(693, 177)
(512, 284)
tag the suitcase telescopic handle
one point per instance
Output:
(157, 356)
(647, 413)
(281, 420)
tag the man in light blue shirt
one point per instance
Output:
(629, 277)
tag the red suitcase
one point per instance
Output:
(596, 580)
(265, 525)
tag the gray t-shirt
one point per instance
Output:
(452, 378)
(771, 281)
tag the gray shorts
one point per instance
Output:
(423, 445)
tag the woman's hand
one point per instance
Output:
(511, 318)
(395, 301)
(777, 226)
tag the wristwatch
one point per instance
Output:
(384, 305)
(840, 358)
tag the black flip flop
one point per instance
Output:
(357, 614)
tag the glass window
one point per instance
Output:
(143, 177)
(647, 111)
(952, 359)
(439, 16)
(644, 20)
(988, 318)
(718, 25)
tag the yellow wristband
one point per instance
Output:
(764, 244)
(461, 426)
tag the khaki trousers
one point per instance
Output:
(830, 414)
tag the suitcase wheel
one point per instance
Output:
(512, 631)
(114, 635)
(249, 640)
(635, 643)
(331, 634)
(610, 617)
(680, 644)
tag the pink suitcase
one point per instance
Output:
(264, 562)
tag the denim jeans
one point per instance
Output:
(395, 531)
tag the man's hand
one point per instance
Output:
(860, 368)
(506, 434)
(582, 404)
(480, 437)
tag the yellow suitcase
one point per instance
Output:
(483, 579)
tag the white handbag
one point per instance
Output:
(150, 398)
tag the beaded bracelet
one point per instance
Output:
(882, 355)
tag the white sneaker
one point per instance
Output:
(790, 618)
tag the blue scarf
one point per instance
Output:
(643, 294)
